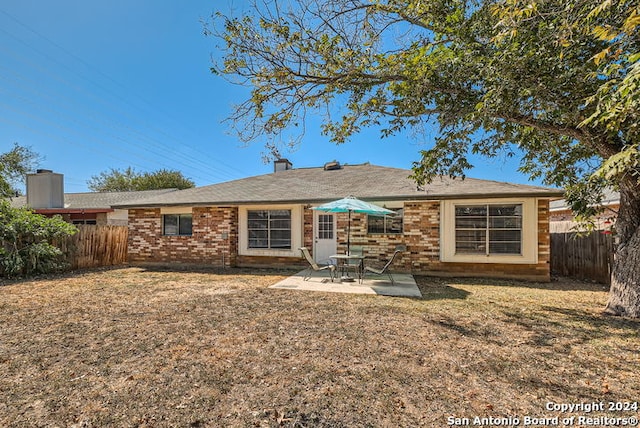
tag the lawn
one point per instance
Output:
(152, 348)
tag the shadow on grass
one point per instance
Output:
(57, 276)
(576, 327)
(556, 284)
(216, 270)
(177, 269)
(442, 292)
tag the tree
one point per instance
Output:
(615, 115)
(116, 180)
(14, 165)
(26, 238)
(491, 76)
(163, 179)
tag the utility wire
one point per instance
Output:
(226, 167)
(176, 158)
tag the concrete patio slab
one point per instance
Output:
(405, 285)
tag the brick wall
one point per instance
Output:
(421, 237)
(206, 245)
(307, 239)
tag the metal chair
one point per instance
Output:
(315, 267)
(385, 269)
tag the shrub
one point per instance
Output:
(26, 242)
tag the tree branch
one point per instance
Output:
(601, 146)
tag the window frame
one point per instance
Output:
(178, 225)
(297, 231)
(529, 232)
(84, 222)
(387, 219)
(485, 234)
(270, 221)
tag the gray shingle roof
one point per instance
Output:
(97, 200)
(312, 185)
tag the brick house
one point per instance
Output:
(560, 211)
(449, 227)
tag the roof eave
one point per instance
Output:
(72, 210)
(431, 197)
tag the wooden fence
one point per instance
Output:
(587, 257)
(95, 246)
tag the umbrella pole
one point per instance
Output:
(349, 234)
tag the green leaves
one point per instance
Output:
(26, 242)
(14, 165)
(556, 78)
(626, 162)
(126, 180)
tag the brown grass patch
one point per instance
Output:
(136, 347)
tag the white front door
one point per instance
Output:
(325, 242)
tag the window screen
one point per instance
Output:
(177, 224)
(489, 229)
(269, 229)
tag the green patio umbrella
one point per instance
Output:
(352, 204)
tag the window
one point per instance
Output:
(79, 222)
(176, 224)
(269, 229)
(488, 229)
(386, 224)
(325, 226)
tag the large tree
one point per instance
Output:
(552, 79)
(14, 166)
(116, 180)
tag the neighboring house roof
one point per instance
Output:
(95, 200)
(611, 197)
(314, 185)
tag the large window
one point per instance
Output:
(269, 229)
(488, 229)
(386, 224)
(176, 224)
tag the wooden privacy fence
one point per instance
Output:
(587, 257)
(95, 246)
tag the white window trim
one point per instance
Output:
(529, 253)
(176, 210)
(296, 231)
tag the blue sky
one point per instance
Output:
(93, 85)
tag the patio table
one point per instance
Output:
(342, 261)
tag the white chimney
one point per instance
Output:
(282, 165)
(45, 189)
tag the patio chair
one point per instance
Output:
(385, 269)
(315, 267)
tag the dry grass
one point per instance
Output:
(134, 347)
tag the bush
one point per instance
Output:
(26, 242)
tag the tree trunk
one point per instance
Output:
(624, 296)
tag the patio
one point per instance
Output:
(405, 285)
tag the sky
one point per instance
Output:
(95, 85)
